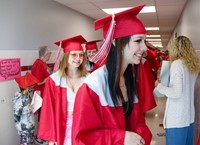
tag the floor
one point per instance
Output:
(154, 120)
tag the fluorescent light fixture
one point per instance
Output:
(153, 40)
(152, 28)
(151, 36)
(146, 9)
(157, 45)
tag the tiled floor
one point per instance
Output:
(154, 118)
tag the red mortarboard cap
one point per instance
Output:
(73, 43)
(92, 45)
(26, 80)
(126, 23)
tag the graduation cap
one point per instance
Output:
(126, 23)
(73, 43)
(92, 45)
(117, 25)
(26, 80)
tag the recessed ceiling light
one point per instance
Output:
(157, 45)
(152, 28)
(146, 9)
(150, 36)
(153, 40)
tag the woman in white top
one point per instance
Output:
(59, 93)
(179, 112)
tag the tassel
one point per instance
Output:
(100, 57)
(57, 60)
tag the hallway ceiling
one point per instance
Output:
(166, 17)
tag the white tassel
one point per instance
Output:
(57, 60)
(102, 53)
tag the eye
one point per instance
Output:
(81, 55)
(74, 55)
(138, 40)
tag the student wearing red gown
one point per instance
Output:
(59, 93)
(91, 49)
(110, 105)
(40, 69)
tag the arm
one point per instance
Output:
(143, 130)
(176, 87)
(88, 128)
(47, 119)
(43, 82)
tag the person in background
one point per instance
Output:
(59, 93)
(179, 112)
(91, 49)
(111, 103)
(23, 115)
(41, 71)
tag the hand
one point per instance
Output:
(52, 143)
(132, 138)
(157, 82)
(30, 107)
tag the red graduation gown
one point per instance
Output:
(97, 122)
(39, 70)
(52, 126)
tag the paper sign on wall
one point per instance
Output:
(9, 68)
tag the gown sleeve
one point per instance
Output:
(88, 128)
(143, 130)
(145, 89)
(47, 119)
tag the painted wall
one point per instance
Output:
(25, 26)
(189, 23)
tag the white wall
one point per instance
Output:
(189, 23)
(25, 25)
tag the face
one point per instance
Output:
(134, 50)
(47, 56)
(91, 52)
(75, 58)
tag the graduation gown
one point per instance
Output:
(52, 126)
(96, 121)
(40, 71)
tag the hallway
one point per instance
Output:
(154, 120)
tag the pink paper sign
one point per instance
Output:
(9, 68)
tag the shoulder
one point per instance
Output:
(57, 79)
(98, 75)
(177, 64)
(16, 96)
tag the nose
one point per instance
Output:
(143, 47)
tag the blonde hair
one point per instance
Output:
(64, 66)
(181, 48)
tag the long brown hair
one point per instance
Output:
(114, 64)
